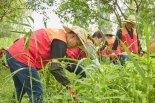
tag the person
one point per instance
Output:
(98, 38)
(106, 48)
(45, 46)
(127, 36)
(78, 54)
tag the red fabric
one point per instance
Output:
(103, 52)
(152, 47)
(38, 52)
(131, 44)
(72, 93)
(108, 49)
(76, 53)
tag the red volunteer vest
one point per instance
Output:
(76, 53)
(38, 53)
(131, 44)
(108, 49)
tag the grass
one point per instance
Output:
(112, 84)
(133, 83)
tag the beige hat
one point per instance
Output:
(80, 32)
(131, 18)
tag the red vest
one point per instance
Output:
(38, 53)
(131, 44)
(108, 49)
(76, 53)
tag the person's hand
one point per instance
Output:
(141, 53)
(72, 93)
(113, 56)
(2, 52)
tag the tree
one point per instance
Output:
(10, 10)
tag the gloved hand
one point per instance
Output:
(72, 93)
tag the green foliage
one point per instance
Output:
(10, 10)
(78, 13)
(108, 83)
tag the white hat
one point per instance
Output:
(80, 32)
(131, 19)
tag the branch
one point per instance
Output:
(117, 15)
(140, 3)
(3, 15)
(137, 5)
(128, 6)
(119, 8)
(115, 12)
(109, 20)
(118, 18)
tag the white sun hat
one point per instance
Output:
(131, 19)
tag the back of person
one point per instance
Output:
(76, 53)
(44, 45)
(108, 49)
(38, 53)
(130, 43)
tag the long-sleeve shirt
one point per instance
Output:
(58, 50)
(119, 37)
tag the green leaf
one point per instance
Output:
(31, 18)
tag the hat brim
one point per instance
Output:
(129, 21)
(109, 34)
(67, 29)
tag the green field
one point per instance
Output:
(109, 83)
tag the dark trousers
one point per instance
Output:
(121, 58)
(26, 80)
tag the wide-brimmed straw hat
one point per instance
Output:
(80, 32)
(131, 19)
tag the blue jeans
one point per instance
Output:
(123, 58)
(26, 80)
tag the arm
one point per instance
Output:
(139, 45)
(117, 40)
(104, 45)
(92, 52)
(58, 50)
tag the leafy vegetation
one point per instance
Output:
(133, 83)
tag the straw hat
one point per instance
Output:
(80, 32)
(131, 19)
